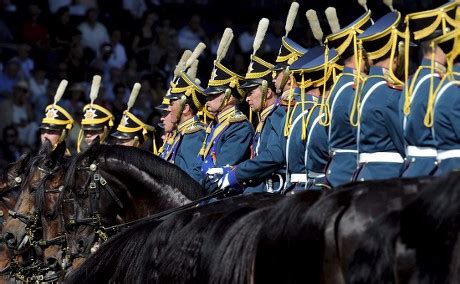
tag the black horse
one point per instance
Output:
(417, 243)
(175, 249)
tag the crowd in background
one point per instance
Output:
(125, 41)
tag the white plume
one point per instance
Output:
(95, 88)
(196, 53)
(133, 96)
(60, 91)
(191, 72)
(291, 17)
(225, 42)
(389, 3)
(181, 64)
(314, 25)
(260, 35)
(364, 4)
(331, 15)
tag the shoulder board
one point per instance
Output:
(238, 116)
(198, 126)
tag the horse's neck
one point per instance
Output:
(140, 184)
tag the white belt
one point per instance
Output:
(335, 150)
(447, 154)
(381, 157)
(298, 178)
(415, 151)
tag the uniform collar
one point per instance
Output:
(349, 70)
(377, 70)
(437, 66)
(224, 115)
(186, 124)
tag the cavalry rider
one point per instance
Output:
(262, 99)
(446, 109)
(338, 105)
(229, 135)
(420, 143)
(317, 76)
(186, 100)
(380, 139)
(289, 52)
(132, 131)
(57, 121)
(169, 128)
(97, 120)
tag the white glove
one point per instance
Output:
(215, 171)
(223, 182)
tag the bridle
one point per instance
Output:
(94, 186)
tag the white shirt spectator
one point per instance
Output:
(93, 37)
(118, 58)
(245, 41)
(187, 39)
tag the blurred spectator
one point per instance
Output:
(22, 114)
(76, 64)
(94, 33)
(246, 39)
(61, 29)
(101, 64)
(131, 74)
(137, 8)
(55, 5)
(118, 56)
(143, 41)
(75, 100)
(9, 77)
(34, 32)
(26, 63)
(119, 104)
(274, 35)
(114, 78)
(10, 150)
(78, 8)
(190, 35)
(38, 86)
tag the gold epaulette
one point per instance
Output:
(237, 116)
(195, 127)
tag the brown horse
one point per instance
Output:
(139, 192)
(110, 184)
(10, 183)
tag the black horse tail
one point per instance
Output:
(275, 259)
(233, 260)
(306, 239)
(430, 225)
(375, 257)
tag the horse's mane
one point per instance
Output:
(188, 255)
(162, 171)
(112, 256)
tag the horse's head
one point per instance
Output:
(86, 207)
(44, 176)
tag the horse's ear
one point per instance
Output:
(21, 163)
(24, 160)
(59, 152)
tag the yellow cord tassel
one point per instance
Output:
(428, 120)
(302, 97)
(288, 112)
